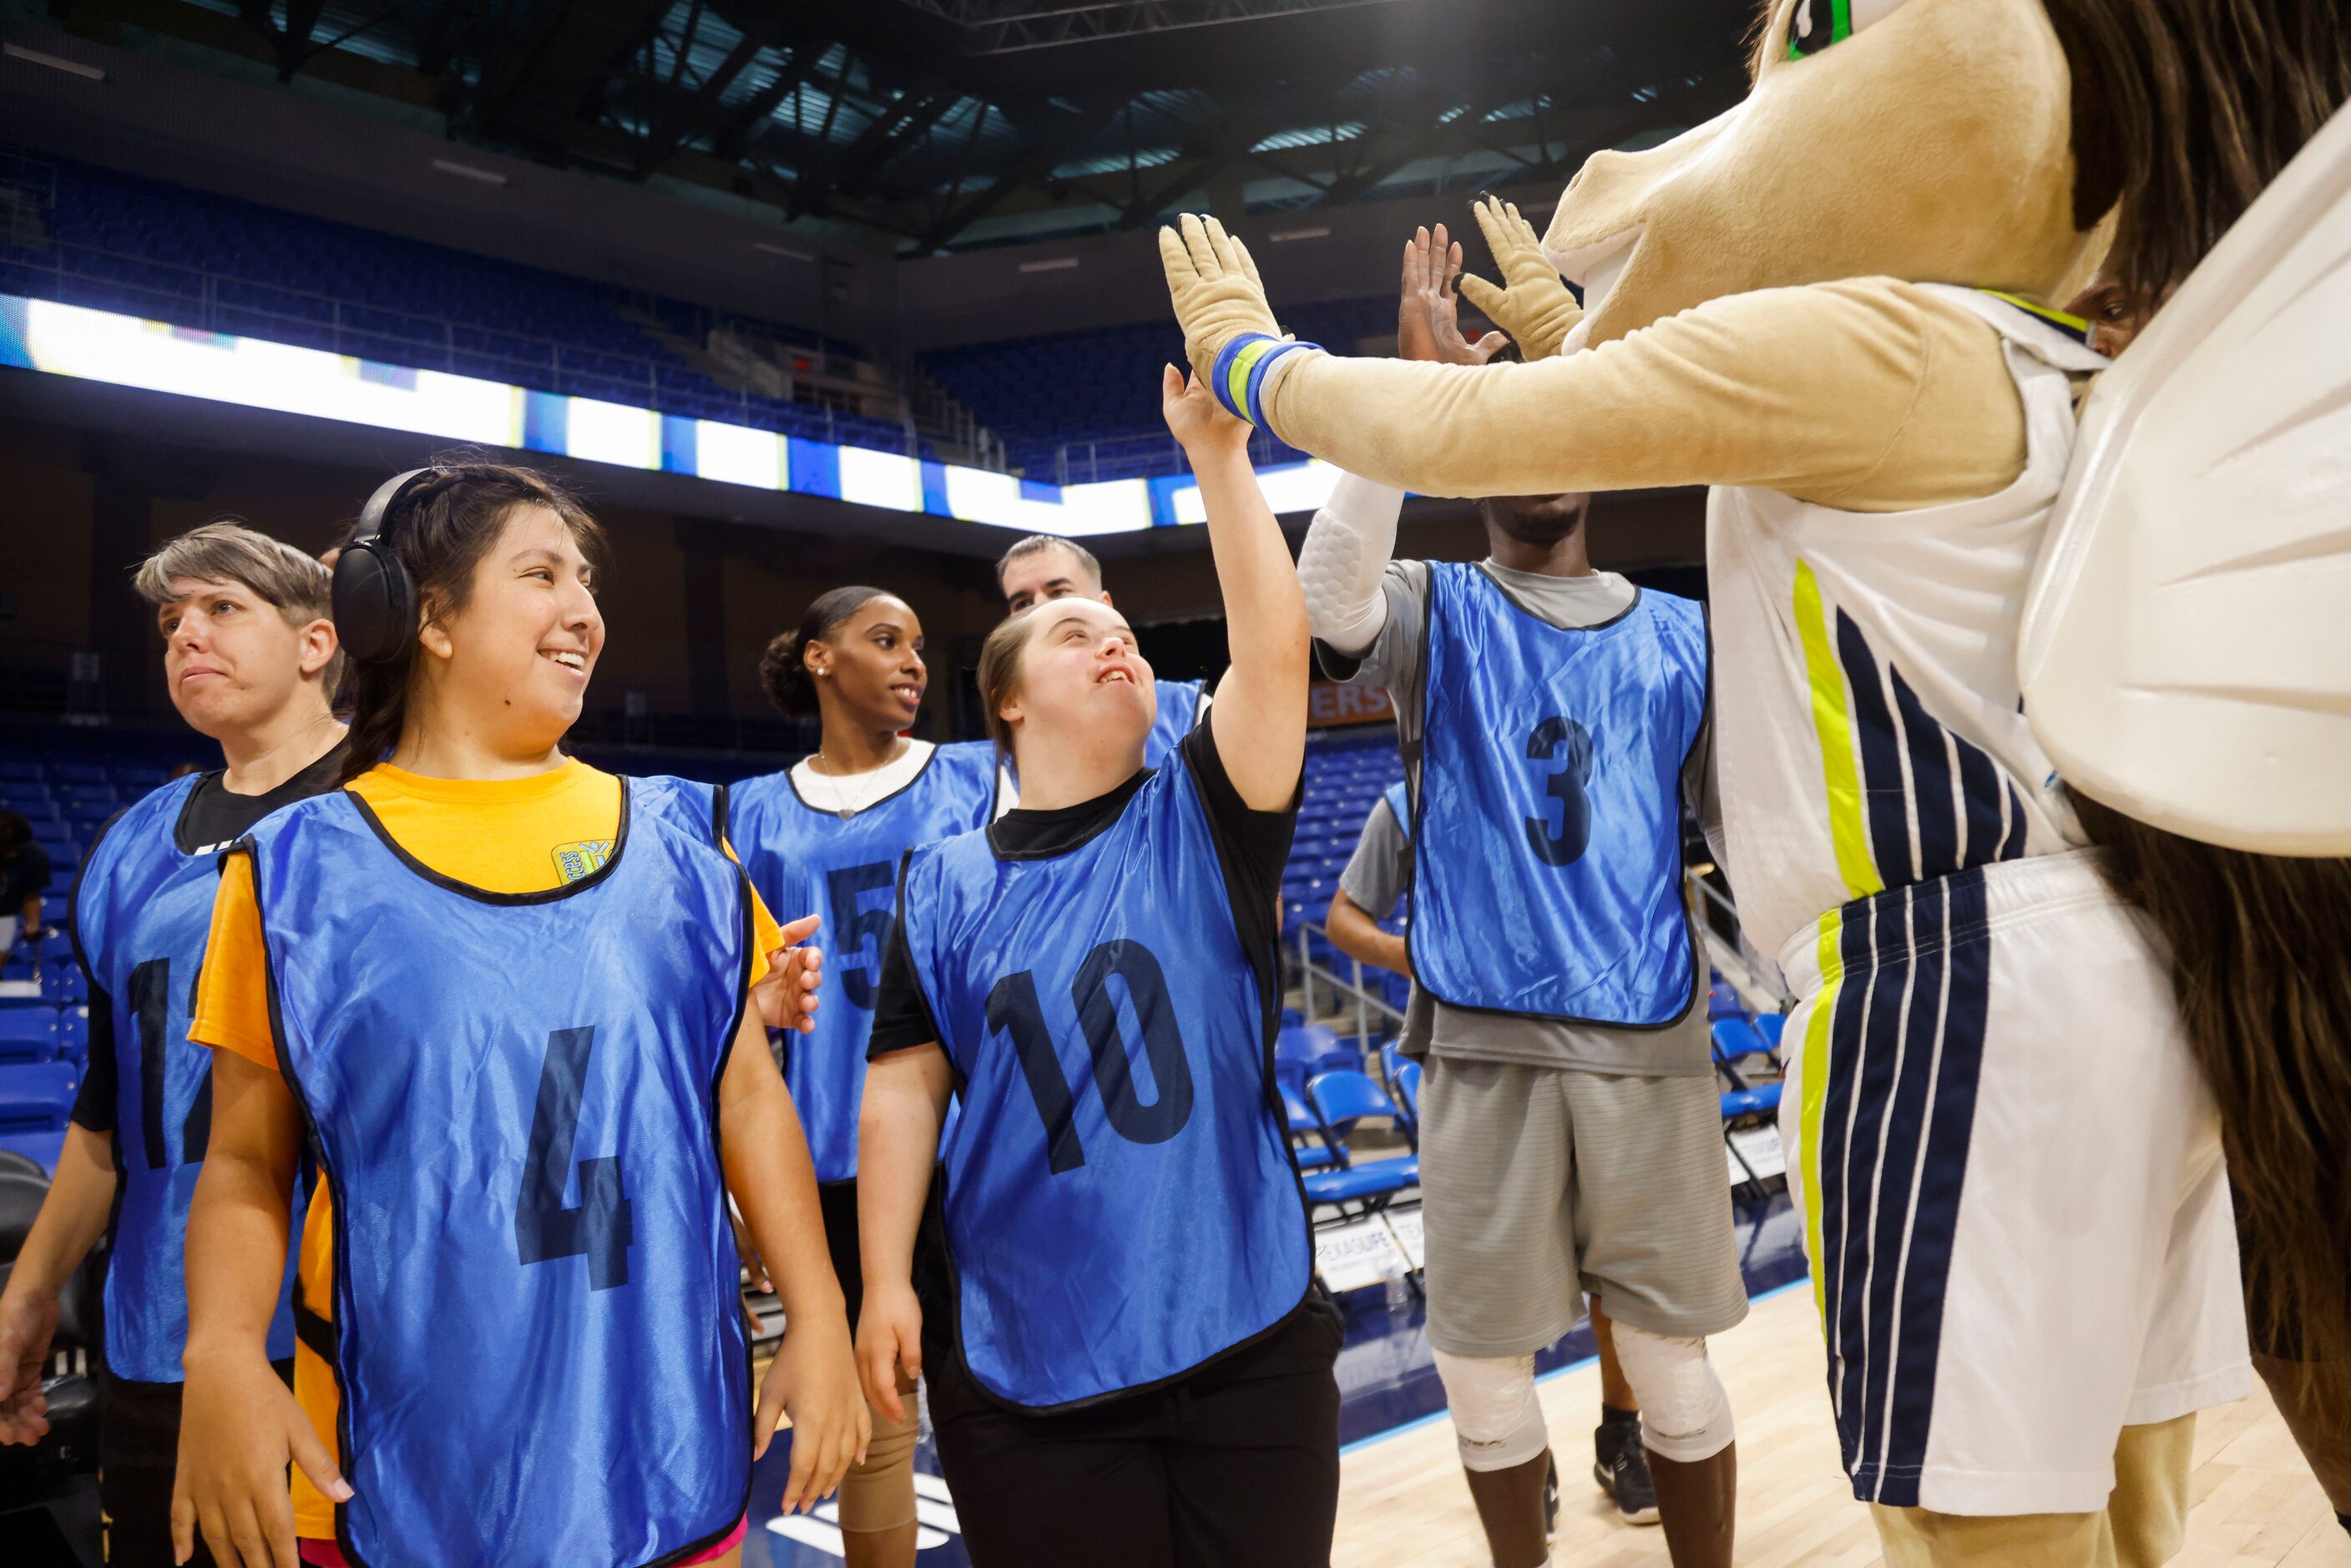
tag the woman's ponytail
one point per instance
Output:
(783, 667)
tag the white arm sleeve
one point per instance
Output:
(1347, 548)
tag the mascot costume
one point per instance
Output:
(1834, 305)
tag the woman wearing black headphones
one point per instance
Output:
(505, 1002)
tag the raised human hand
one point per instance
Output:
(1428, 325)
(1532, 305)
(1215, 287)
(1197, 421)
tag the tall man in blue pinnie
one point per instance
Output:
(1553, 719)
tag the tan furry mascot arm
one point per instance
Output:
(1870, 395)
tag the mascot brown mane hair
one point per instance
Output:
(2183, 113)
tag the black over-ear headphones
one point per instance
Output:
(375, 598)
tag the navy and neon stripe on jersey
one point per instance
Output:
(1909, 799)
(1891, 1068)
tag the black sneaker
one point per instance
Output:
(1622, 1469)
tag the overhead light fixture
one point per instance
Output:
(1283, 236)
(787, 253)
(1057, 264)
(468, 172)
(55, 63)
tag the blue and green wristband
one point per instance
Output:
(1238, 376)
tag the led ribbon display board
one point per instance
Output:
(123, 350)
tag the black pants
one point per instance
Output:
(837, 1201)
(1236, 1465)
(137, 1451)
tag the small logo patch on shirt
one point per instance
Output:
(573, 862)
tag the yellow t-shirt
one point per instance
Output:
(504, 835)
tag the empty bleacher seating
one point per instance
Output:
(1344, 777)
(1097, 390)
(168, 252)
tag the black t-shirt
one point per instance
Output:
(211, 819)
(23, 874)
(1250, 846)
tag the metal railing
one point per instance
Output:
(1761, 986)
(1146, 455)
(1349, 987)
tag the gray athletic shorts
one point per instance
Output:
(1541, 1183)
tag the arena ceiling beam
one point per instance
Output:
(942, 124)
(1009, 26)
(738, 126)
(540, 85)
(849, 170)
(1034, 162)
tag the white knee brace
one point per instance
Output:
(1496, 1416)
(1685, 1414)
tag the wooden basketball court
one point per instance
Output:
(1402, 1503)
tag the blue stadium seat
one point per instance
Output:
(1404, 1073)
(1722, 1002)
(1303, 1125)
(1764, 1100)
(35, 1097)
(1737, 1039)
(1771, 1026)
(28, 1033)
(1341, 1100)
(1381, 1179)
(43, 1148)
(1312, 1046)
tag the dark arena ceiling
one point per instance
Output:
(922, 126)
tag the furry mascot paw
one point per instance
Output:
(1532, 305)
(1219, 297)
